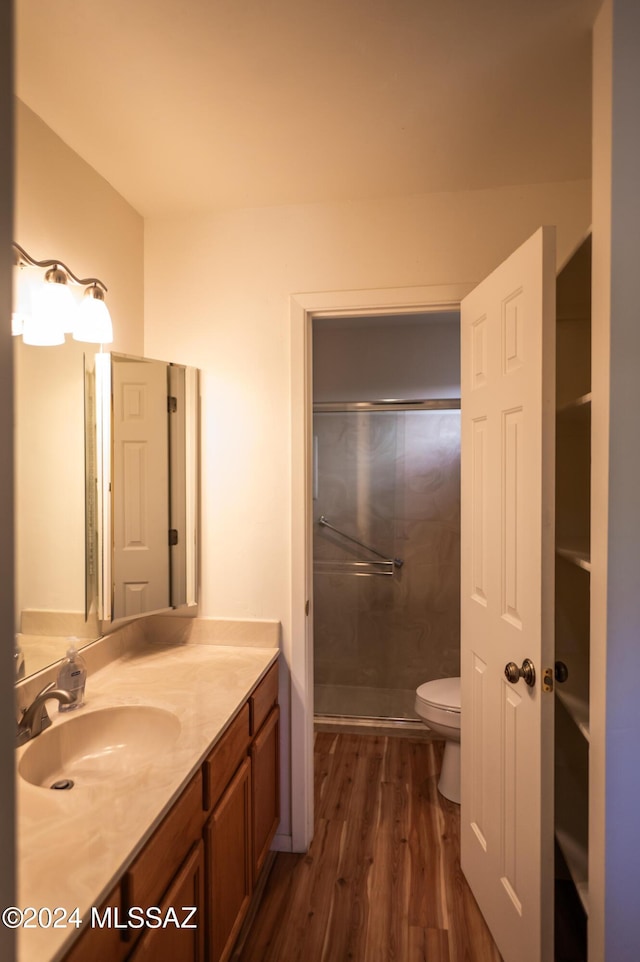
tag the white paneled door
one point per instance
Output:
(141, 487)
(508, 412)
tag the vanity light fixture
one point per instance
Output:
(45, 309)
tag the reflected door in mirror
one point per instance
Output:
(140, 489)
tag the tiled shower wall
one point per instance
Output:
(391, 479)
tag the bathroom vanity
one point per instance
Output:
(188, 827)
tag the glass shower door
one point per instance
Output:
(391, 480)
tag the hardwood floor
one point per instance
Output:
(381, 881)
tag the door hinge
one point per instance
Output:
(173, 536)
(307, 607)
(547, 680)
(172, 404)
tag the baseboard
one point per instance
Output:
(282, 843)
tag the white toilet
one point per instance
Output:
(438, 704)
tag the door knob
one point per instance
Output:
(514, 674)
(561, 672)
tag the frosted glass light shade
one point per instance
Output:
(41, 333)
(52, 306)
(57, 301)
(23, 279)
(93, 323)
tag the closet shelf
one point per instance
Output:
(572, 830)
(577, 708)
(579, 406)
(577, 554)
(575, 855)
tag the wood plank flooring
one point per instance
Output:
(381, 881)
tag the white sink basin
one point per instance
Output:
(99, 746)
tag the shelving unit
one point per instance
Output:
(573, 563)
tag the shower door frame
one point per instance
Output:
(298, 646)
(398, 711)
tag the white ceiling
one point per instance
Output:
(190, 104)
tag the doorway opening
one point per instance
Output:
(385, 511)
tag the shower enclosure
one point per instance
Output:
(386, 554)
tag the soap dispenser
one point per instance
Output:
(72, 677)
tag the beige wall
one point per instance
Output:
(600, 386)
(64, 209)
(49, 472)
(614, 867)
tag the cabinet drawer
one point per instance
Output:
(264, 698)
(101, 944)
(225, 757)
(147, 879)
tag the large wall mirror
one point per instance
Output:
(147, 468)
(53, 599)
(106, 494)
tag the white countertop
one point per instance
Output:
(74, 845)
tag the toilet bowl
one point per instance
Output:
(438, 705)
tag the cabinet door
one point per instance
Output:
(228, 864)
(101, 944)
(171, 943)
(265, 788)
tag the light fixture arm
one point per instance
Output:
(23, 257)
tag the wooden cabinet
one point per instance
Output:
(101, 944)
(572, 577)
(224, 759)
(183, 941)
(244, 819)
(265, 788)
(265, 767)
(146, 881)
(228, 856)
(263, 699)
(207, 852)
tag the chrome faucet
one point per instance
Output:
(35, 718)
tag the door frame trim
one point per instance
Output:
(304, 307)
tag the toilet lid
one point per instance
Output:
(441, 693)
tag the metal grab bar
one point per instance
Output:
(396, 562)
(360, 569)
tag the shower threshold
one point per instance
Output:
(371, 726)
(361, 702)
